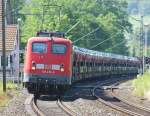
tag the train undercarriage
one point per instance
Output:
(45, 87)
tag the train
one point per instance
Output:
(53, 63)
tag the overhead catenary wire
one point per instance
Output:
(102, 41)
(105, 40)
(135, 18)
(72, 27)
(116, 45)
(123, 27)
(87, 34)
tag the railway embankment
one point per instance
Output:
(6, 97)
(12, 102)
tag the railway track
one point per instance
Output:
(65, 108)
(109, 98)
(131, 103)
(55, 107)
(31, 107)
(48, 105)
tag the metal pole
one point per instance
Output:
(145, 48)
(142, 46)
(143, 62)
(19, 41)
(42, 18)
(3, 46)
(59, 17)
(146, 33)
(18, 52)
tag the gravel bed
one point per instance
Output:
(16, 105)
(127, 93)
(49, 107)
(85, 105)
(91, 108)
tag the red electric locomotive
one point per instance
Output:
(52, 63)
(47, 62)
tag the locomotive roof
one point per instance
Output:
(103, 54)
(47, 33)
(56, 39)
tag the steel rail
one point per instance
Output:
(36, 109)
(59, 103)
(130, 103)
(65, 108)
(115, 107)
(31, 107)
(121, 105)
(33, 102)
(68, 110)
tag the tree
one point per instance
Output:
(106, 15)
(12, 10)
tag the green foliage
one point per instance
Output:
(10, 85)
(21, 58)
(141, 84)
(17, 5)
(135, 36)
(61, 15)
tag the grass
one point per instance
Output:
(142, 84)
(10, 85)
(4, 97)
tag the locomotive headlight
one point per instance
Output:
(33, 68)
(62, 69)
(33, 65)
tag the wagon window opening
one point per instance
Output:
(39, 47)
(59, 48)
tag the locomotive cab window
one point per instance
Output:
(59, 48)
(38, 47)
